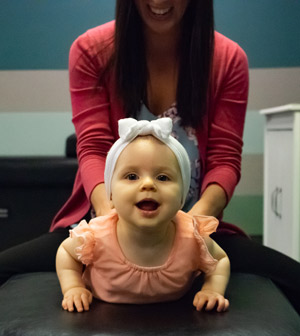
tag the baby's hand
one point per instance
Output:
(79, 297)
(210, 300)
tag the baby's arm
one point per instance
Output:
(69, 272)
(215, 283)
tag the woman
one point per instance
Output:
(160, 58)
(158, 61)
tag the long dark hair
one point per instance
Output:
(195, 60)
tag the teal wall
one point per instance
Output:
(268, 30)
(36, 34)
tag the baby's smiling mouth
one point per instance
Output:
(148, 205)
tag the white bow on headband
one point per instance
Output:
(130, 128)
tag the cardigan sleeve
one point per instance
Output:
(230, 96)
(90, 100)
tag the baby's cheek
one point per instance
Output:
(174, 196)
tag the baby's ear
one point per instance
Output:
(111, 203)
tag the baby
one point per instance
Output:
(146, 249)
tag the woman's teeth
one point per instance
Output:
(158, 11)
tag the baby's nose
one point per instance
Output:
(148, 184)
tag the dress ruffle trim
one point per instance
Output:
(203, 227)
(84, 252)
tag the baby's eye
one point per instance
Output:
(163, 178)
(132, 177)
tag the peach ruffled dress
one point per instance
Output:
(113, 278)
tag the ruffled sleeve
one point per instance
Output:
(85, 252)
(205, 226)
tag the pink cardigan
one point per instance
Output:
(97, 109)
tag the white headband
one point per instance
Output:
(161, 129)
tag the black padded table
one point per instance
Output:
(30, 305)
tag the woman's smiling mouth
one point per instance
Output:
(159, 12)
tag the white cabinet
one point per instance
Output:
(282, 179)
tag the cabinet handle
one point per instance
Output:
(275, 201)
(278, 208)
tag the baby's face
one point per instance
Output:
(147, 184)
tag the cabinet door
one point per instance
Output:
(278, 227)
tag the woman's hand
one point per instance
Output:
(100, 203)
(78, 297)
(209, 300)
(212, 202)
